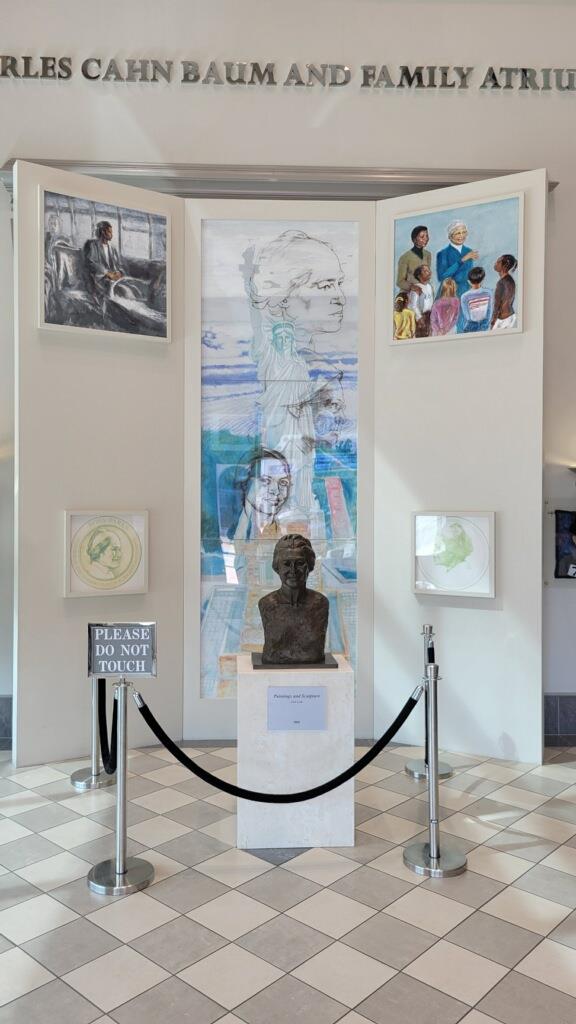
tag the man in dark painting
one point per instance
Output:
(295, 619)
(101, 260)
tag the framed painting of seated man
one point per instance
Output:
(104, 268)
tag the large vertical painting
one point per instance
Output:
(279, 425)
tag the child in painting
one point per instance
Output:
(503, 314)
(421, 301)
(476, 303)
(446, 309)
(404, 319)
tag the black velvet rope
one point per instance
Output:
(109, 752)
(277, 798)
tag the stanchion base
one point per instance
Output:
(417, 769)
(102, 878)
(450, 862)
(83, 779)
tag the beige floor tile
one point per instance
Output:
(90, 803)
(392, 863)
(408, 751)
(223, 800)
(227, 753)
(228, 774)
(54, 871)
(350, 1018)
(546, 828)
(569, 794)
(75, 833)
(133, 916)
(562, 859)
(33, 917)
(224, 830)
(494, 864)
(526, 910)
(230, 976)
(516, 797)
(233, 867)
(232, 915)
(555, 771)
(427, 910)
(467, 827)
(390, 827)
(372, 774)
(20, 974)
(453, 799)
(474, 1017)
(169, 775)
(164, 867)
(381, 799)
(33, 777)
(331, 913)
(155, 831)
(115, 978)
(19, 803)
(495, 772)
(10, 831)
(164, 800)
(553, 964)
(456, 971)
(321, 866)
(344, 974)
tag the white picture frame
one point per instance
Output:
(105, 553)
(55, 252)
(477, 212)
(453, 554)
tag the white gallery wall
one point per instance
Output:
(133, 122)
(99, 427)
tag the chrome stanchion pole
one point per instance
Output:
(121, 875)
(93, 777)
(417, 768)
(434, 859)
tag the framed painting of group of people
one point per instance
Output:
(458, 271)
(103, 268)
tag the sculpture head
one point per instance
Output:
(293, 560)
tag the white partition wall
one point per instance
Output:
(99, 426)
(458, 426)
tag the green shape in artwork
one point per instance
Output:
(453, 546)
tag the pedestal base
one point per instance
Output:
(102, 878)
(295, 758)
(417, 769)
(84, 779)
(450, 862)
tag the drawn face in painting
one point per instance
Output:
(317, 304)
(422, 239)
(269, 487)
(459, 235)
(425, 274)
(105, 549)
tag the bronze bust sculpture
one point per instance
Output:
(295, 619)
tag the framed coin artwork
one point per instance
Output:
(106, 553)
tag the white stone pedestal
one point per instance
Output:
(274, 761)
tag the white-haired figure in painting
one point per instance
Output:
(294, 285)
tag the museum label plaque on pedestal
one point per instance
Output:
(295, 731)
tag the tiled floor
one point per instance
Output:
(279, 936)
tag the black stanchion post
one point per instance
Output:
(121, 875)
(417, 768)
(93, 777)
(434, 859)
